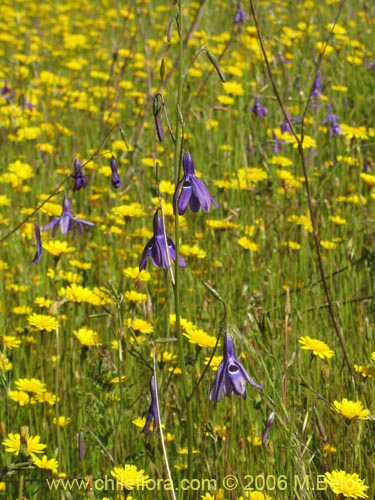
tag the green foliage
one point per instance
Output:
(86, 329)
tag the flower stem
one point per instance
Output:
(176, 288)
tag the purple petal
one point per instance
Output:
(176, 195)
(201, 192)
(146, 254)
(65, 225)
(194, 203)
(172, 253)
(51, 224)
(82, 221)
(216, 390)
(184, 198)
(158, 254)
(237, 380)
(188, 164)
(39, 248)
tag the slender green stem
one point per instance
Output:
(173, 493)
(176, 288)
(20, 485)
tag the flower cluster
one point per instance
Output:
(190, 191)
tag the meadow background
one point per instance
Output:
(79, 329)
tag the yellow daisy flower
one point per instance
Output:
(58, 248)
(248, 244)
(30, 385)
(10, 341)
(318, 347)
(87, 337)
(47, 464)
(343, 483)
(135, 297)
(20, 397)
(13, 444)
(43, 322)
(140, 325)
(62, 421)
(365, 371)
(129, 477)
(351, 410)
(44, 397)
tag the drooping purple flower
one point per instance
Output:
(66, 221)
(161, 248)
(152, 414)
(27, 104)
(80, 442)
(371, 66)
(80, 181)
(258, 110)
(240, 16)
(231, 376)
(333, 121)
(285, 127)
(7, 92)
(39, 248)
(267, 427)
(277, 143)
(191, 191)
(116, 181)
(317, 86)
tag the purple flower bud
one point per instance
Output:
(80, 442)
(267, 427)
(240, 15)
(285, 127)
(258, 109)
(116, 182)
(80, 181)
(39, 248)
(317, 86)
(152, 414)
(27, 104)
(7, 92)
(156, 111)
(333, 121)
(159, 127)
(277, 143)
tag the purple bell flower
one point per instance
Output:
(317, 86)
(240, 15)
(191, 191)
(159, 247)
(80, 181)
(66, 221)
(285, 127)
(116, 181)
(7, 92)
(258, 110)
(231, 376)
(333, 121)
(152, 414)
(277, 143)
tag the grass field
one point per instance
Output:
(119, 377)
